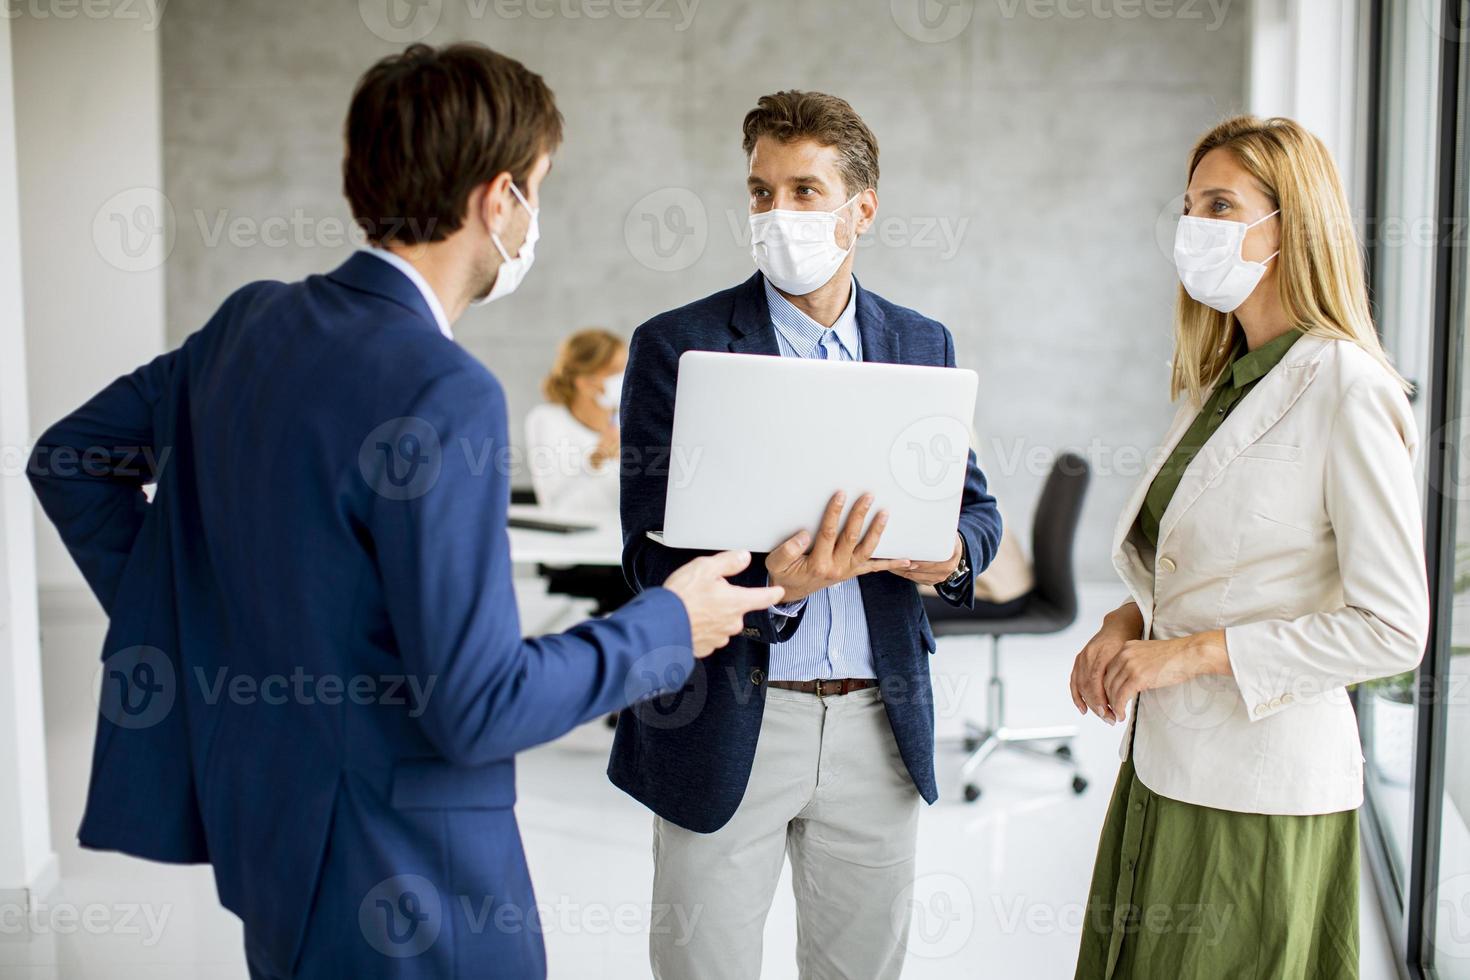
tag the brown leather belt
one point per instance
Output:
(832, 687)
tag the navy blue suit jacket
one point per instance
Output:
(314, 673)
(687, 755)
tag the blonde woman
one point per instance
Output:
(1274, 555)
(572, 440)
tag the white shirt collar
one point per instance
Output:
(414, 276)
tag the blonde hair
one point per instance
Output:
(584, 352)
(1319, 270)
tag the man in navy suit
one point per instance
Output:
(314, 676)
(812, 734)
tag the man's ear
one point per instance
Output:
(487, 203)
(867, 205)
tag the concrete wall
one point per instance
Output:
(1031, 152)
(93, 226)
(27, 862)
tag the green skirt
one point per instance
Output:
(1187, 891)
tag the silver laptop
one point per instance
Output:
(761, 443)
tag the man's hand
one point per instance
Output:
(716, 608)
(934, 572)
(1089, 670)
(835, 556)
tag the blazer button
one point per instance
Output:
(1287, 699)
(1167, 564)
(1260, 710)
(750, 633)
(757, 677)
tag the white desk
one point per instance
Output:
(602, 545)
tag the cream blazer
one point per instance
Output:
(1297, 530)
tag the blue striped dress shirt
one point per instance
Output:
(832, 640)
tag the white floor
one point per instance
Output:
(1000, 889)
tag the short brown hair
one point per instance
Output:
(830, 121)
(584, 352)
(429, 125)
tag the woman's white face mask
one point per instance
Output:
(1207, 253)
(611, 394)
(797, 250)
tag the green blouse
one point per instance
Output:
(1246, 368)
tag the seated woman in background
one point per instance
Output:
(572, 452)
(572, 440)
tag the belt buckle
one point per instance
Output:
(818, 682)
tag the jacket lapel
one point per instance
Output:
(879, 342)
(1182, 418)
(751, 320)
(1271, 398)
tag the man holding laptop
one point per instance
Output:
(813, 732)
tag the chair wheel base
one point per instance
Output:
(1064, 751)
(1079, 785)
(972, 793)
(971, 744)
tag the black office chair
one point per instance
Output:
(1049, 607)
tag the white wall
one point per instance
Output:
(1031, 155)
(91, 170)
(1305, 58)
(26, 859)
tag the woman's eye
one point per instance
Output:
(1218, 206)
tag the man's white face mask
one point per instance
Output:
(797, 250)
(513, 270)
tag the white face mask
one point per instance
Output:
(797, 250)
(513, 270)
(612, 391)
(1207, 253)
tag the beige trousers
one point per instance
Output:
(828, 789)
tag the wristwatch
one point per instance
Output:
(960, 574)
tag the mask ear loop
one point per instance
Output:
(1252, 225)
(495, 238)
(844, 207)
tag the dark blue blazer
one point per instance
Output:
(687, 755)
(314, 673)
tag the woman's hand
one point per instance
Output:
(607, 447)
(1119, 627)
(1145, 665)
